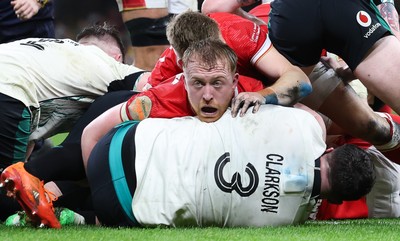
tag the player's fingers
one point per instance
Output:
(20, 9)
(30, 14)
(237, 101)
(16, 5)
(256, 107)
(246, 104)
(235, 106)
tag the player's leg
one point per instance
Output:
(346, 109)
(148, 38)
(64, 162)
(15, 127)
(109, 203)
(380, 72)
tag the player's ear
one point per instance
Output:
(180, 63)
(118, 57)
(235, 79)
(330, 149)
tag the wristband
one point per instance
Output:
(271, 98)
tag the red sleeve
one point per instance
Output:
(247, 39)
(165, 68)
(346, 210)
(249, 84)
(169, 99)
(133, 4)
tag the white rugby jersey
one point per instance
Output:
(58, 75)
(256, 170)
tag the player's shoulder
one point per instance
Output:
(222, 17)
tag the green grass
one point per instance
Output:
(364, 229)
(57, 139)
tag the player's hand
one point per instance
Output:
(340, 67)
(25, 9)
(243, 101)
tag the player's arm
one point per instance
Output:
(340, 67)
(291, 83)
(136, 108)
(97, 129)
(389, 13)
(231, 6)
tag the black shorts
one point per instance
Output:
(107, 183)
(15, 128)
(148, 31)
(301, 29)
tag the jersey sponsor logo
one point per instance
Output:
(372, 30)
(271, 190)
(235, 184)
(363, 19)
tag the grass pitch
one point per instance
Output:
(362, 229)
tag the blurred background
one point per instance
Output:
(72, 15)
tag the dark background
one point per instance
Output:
(73, 15)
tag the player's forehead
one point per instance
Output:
(198, 69)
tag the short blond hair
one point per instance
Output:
(188, 27)
(210, 52)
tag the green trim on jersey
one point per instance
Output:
(22, 136)
(117, 170)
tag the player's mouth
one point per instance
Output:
(209, 111)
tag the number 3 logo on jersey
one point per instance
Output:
(236, 181)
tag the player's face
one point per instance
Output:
(210, 89)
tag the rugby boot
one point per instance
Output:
(30, 193)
